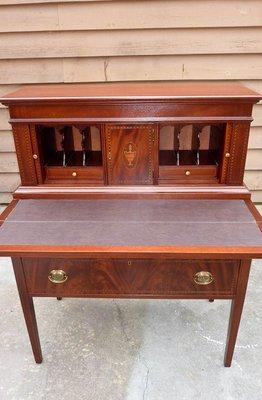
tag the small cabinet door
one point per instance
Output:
(130, 154)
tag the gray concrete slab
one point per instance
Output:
(129, 349)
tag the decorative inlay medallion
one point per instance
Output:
(130, 155)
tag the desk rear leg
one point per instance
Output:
(28, 309)
(236, 310)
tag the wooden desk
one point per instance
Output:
(132, 191)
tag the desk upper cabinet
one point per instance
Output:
(132, 134)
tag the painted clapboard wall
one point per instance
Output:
(91, 41)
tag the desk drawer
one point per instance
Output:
(187, 174)
(90, 174)
(131, 278)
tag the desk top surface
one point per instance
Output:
(130, 223)
(132, 91)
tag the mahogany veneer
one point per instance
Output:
(132, 190)
(151, 278)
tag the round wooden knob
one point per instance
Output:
(227, 155)
(35, 157)
(188, 173)
(57, 276)
(74, 174)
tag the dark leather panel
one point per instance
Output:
(131, 223)
(132, 210)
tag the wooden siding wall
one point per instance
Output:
(89, 41)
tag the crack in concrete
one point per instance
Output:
(122, 323)
(134, 349)
(146, 384)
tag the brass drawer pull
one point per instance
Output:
(188, 173)
(57, 276)
(203, 278)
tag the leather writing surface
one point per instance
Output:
(131, 223)
(132, 210)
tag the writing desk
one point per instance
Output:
(132, 191)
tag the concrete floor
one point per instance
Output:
(129, 349)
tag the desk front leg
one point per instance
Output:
(28, 309)
(236, 310)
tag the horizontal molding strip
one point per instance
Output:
(127, 120)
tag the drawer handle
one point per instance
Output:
(188, 173)
(203, 278)
(57, 276)
(74, 174)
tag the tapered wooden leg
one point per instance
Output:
(211, 300)
(28, 309)
(236, 311)
(59, 298)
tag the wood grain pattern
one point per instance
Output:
(236, 311)
(137, 142)
(255, 211)
(238, 150)
(28, 309)
(164, 252)
(7, 211)
(179, 191)
(203, 174)
(25, 154)
(85, 175)
(131, 278)
(163, 91)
